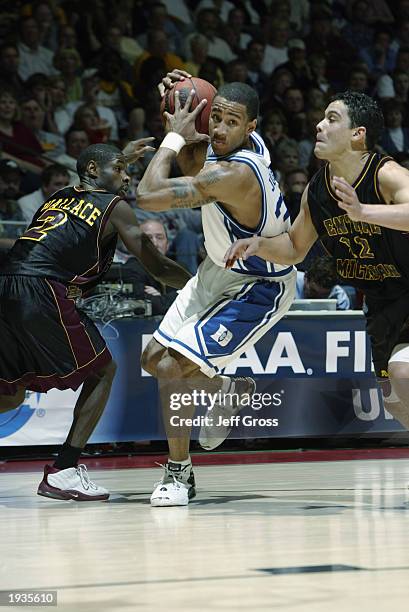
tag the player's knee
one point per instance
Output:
(399, 378)
(108, 372)
(175, 366)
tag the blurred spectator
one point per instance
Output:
(294, 182)
(307, 143)
(278, 84)
(254, 57)
(379, 56)
(67, 38)
(358, 80)
(33, 57)
(179, 11)
(319, 282)
(86, 118)
(402, 35)
(157, 46)
(33, 117)
(145, 287)
(91, 87)
(277, 32)
(9, 66)
(18, 142)
(47, 25)
(207, 23)
(210, 71)
(233, 31)
(115, 91)
(76, 141)
(395, 138)
(325, 40)
(68, 63)
(359, 31)
(297, 63)
(316, 99)
(10, 180)
(54, 177)
(385, 87)
(401, 86)
(299, 16)
(237, 71)
(286, 158)
(197, 53)
(294, 112)
(128, 48)
(40, 87)
(221, 7)
(57, 102)
(158, 19)
(274, 128)
(318, 67)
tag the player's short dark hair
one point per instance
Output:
(322, 271)
(100, 153)
(363, 110)
(243, 94)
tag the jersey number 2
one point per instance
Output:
(49, 220)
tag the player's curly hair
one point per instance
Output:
(363, 111)
(100, 153)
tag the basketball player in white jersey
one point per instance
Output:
(219, 313)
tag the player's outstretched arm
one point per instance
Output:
(287, 249)
(394, 186)
(139, 244)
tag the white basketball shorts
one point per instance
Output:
(220, 313)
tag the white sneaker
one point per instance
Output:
(177, 486)
(211, 436)
(71, 483)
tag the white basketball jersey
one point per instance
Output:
(221, 230)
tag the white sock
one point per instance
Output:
(183, 463)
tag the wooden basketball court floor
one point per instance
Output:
(328, 536)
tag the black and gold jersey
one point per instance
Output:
(372, 258)
(65, 239)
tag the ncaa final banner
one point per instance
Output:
(313, 375)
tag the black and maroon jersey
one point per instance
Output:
(64, 240)
(372, 258)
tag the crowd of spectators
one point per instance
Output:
(74, 73)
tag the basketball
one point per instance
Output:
(203, 89)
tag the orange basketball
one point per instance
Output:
(202, 88)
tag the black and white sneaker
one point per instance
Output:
(212, 435)
(177, 486)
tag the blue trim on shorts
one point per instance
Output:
(189, 349)
(265, 274)
(259, 310)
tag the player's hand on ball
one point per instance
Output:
(170, 79)
(241, 249)
(136, 149)
(347, 198)
(183, 120)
